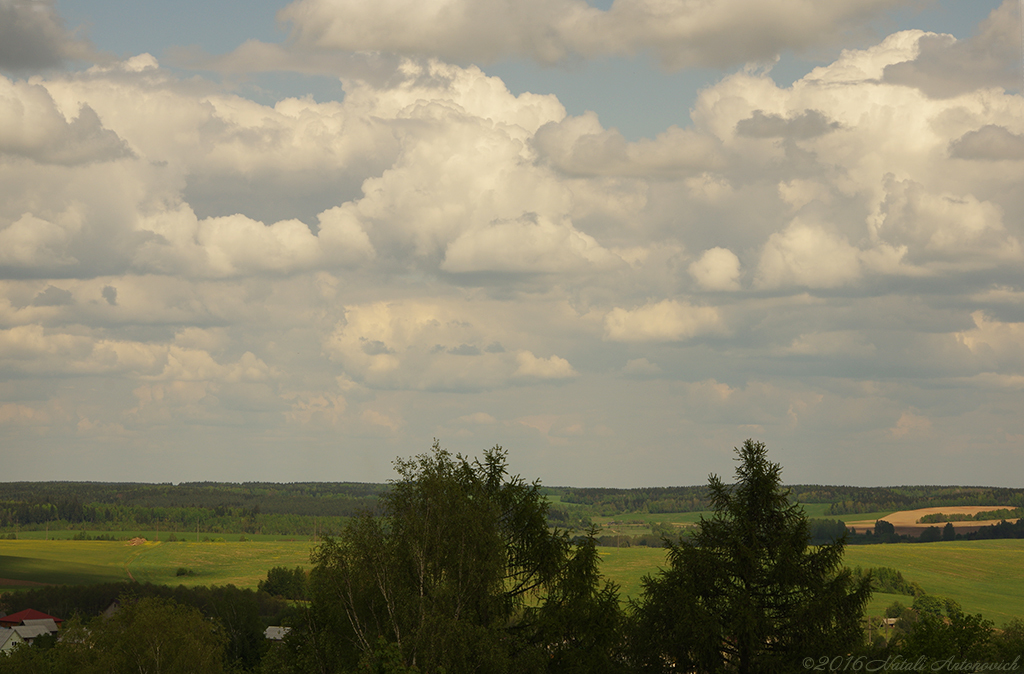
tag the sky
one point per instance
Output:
(285, 242)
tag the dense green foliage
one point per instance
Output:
(746, 593)
(849, 500)
(149, 635)
(843, 500)
(888, 580)
(284, 582)
(308, 508)
(1003, 529)
(884, 532)
(211, 507)
(460, 574)
(999, 514)
(239, 614)
(826, 531)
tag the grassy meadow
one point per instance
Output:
(986, 577)
(151, 535)
(65, 562)
(210, 563)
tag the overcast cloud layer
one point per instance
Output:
(194, 285)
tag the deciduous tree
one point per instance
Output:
(446, 576)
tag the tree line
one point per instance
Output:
(210, 507)
(304, 508)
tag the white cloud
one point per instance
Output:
(946, 67)
(665, 321)
(236, 244)
(943, 227)
(641, 367)
(581, 146)
(998, 345)
(529, 244)
(234, 269)
(800, 192)
(375, 418)
(552, 367)
(719, 33)
(805, 254)
(717, 269)
(434, 346)
(477, 418)
(832, 344)
(32, 126)
(910, 424)
(31, 349)
(991, 142)
(31, 242)
(315, 407)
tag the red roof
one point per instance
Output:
(27, 614)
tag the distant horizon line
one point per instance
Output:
(542, 485)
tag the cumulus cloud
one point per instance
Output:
(34, 243)
(33, 36)
(717, 269)
(807, 254)
(943, 227)
(313, 407)
(641, 367)
(552, 367)
(665, 321)
(720, 33)
(432, 346)
(999, 345)
(808, 124)
(530, 244)
(31, 349)
(581, 146)
(34, 127)
(834, 343)
(225, 246)
(910, 424)
(989, 143)
(315, 267)
(945, 67)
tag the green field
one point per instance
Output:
(150, 535)
(631, 521)
(77, 562)
(626, 566)
(986, 577)
(65, 562)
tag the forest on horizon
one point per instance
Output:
(305, 508)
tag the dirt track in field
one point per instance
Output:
(905, 521)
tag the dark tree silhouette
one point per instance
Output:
(747, 593)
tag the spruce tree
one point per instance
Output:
(747, 593)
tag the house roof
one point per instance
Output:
(28, 614)
(8, 638)
(29, 632)
(276, 633)
(49, 623)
